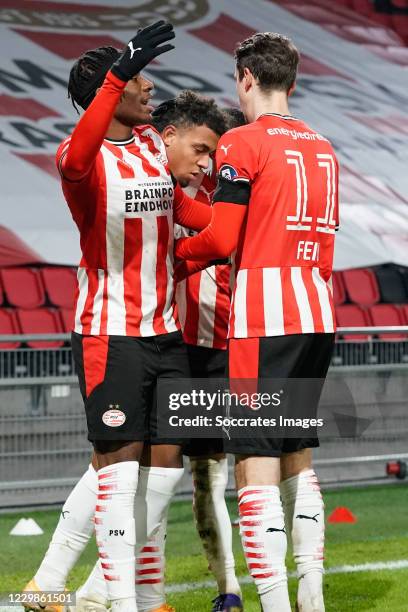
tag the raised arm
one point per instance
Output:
(88, 135)
(79, 156)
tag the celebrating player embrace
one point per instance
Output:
(276, 205)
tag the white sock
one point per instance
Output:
(156, 488)
(213, 522)
(94, 588)
(115, 531)
(263, 536)
(304, 512)
(150, 568)
(71, 535)
(123, 605)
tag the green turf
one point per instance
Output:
(380, 534)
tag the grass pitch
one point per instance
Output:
(380, 535)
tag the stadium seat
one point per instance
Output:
(404, 314)
(351, 315)
(391, 284)
(8, 325)
(339, 292)
(361, 286)
(67, 318)
(23, 287)
(60, 285)
(40, 321)
(384, 315)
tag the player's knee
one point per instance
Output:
(210, 476)
(162, 455)
(292, 464)
(218, 475)
(113, 451)
(102, 447)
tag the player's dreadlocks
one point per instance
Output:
(189, 109)
(88, 73)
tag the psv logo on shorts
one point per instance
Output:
(114, 417)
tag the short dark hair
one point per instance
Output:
(233, 117)
(88, 73)
(272, 59)
(189, 109)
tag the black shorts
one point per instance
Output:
(205, 363)
(118, 378)
(300, 356)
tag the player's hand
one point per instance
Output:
(142, 49)
(180, 270)
(185, 267)
(177, 246)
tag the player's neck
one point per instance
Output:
(276, 102)
(118, 131)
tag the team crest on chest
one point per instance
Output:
(161, 158)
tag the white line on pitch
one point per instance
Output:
(184, 587)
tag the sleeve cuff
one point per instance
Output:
(114, 80)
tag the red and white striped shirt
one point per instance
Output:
(289, 300)
(203, 299)
(124, 212)
(285, 249)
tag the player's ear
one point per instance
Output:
(292, 88)
(169, 134)
(248, 79)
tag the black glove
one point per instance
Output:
(142, 49)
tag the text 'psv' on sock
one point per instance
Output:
(115, 529)
(155, 489)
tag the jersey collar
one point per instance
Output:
(121, 143)
(278, 115)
